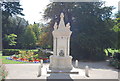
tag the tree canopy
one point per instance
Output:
(91, 25)
(11, 23)
(93, 28)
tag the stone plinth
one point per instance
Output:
(60, 63)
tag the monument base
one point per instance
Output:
(60, 63)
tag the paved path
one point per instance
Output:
(98, 70)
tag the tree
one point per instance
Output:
(91, 25)
(45, 37)
(36, 30)
(116, 28)
(10, 39)
(9, 9)
(29, 38)
(17, 26)
(9, 22)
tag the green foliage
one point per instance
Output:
(116, 27)
(11, 8)
(45, 37)
(8, 52)
(3, 72)
(24, 55)
(11, 39)
(112, 51)
(115, 63)
(114, 56)
(91, 25)
(36, 30)
(17, 26)
(29, 38)
(8, 10)
(43, 54)
(12, 23)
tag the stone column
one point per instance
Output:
(54, 47)
(57, 47)
(68, 41)
(67, 47)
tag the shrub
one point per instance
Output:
(114, 57)
(8, 52)
(43, 54)
(3, 72)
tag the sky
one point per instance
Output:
(33, 9)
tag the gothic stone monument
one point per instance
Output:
(61, 45)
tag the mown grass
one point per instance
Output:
(6, 61)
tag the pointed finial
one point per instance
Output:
(68, 25)
(55, 26)
(61, 24)
(62, 15)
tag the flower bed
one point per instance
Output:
(28, 57)
(45, 60)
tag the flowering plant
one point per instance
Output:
(3, 72)
(28, 57)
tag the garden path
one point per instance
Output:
(98, 70)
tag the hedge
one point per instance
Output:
(8, 52)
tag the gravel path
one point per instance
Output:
(97, 70)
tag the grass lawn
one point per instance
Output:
(6, 61)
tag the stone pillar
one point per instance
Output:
(54, 46)
(39, 71)
(87, 71)
(68, 41)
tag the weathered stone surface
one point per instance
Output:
(61, 45)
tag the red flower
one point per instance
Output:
(37, 60)
(45, 58)
(22, 59)
(30, 61)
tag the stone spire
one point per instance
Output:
(61, 24)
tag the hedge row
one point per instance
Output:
(8, 52)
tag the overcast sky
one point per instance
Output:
(33, 9)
